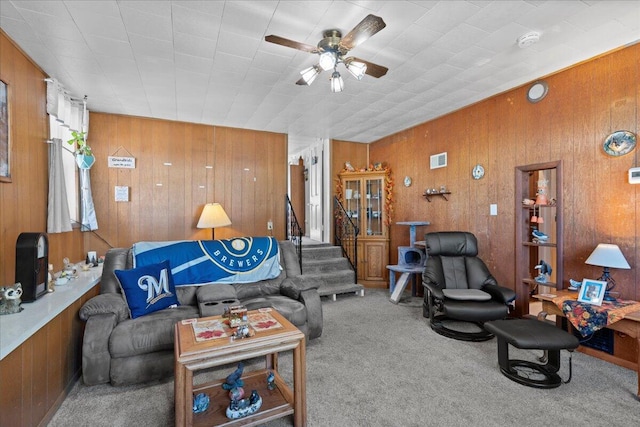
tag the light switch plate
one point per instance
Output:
(493, 209)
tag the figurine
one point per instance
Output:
(234, 380)
(271, 381)
(574, 285)
(200, 403)
(243, 407)
(10, 299)
(348, 167)
(545, 272)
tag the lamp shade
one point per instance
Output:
(213, 216)
(607, 255)
(337, 85)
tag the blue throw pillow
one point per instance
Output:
(148, 289)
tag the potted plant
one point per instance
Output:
(84, 156)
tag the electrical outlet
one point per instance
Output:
(269, 225)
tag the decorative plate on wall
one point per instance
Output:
(619, 143)
(477, 172)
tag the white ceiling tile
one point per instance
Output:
(193, 63)
(144, 47)
(447, 15)
(195, 22)
(189, 44)
(98, 24)
(457, 40)
(146, 23)
(246, 19)
(237, 44)
(106, 47)
(498, 14)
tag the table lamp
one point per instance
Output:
(213, 216)
(608, 256)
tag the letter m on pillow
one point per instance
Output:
(153, 287)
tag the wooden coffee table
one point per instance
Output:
(191, 356)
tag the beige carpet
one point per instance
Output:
(379, 364)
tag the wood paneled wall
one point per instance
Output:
(23, 201)
(584, 105)
(248, 176)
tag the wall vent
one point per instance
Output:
(439, 160)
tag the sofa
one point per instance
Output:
(123, 350)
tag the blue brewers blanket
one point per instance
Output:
(203, 262)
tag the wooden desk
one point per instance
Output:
(630, 325)
(191, 355)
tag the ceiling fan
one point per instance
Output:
(333, 49)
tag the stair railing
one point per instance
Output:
(293, 229)
(346, 235)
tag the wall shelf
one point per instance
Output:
(441, 194)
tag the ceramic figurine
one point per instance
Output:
(243, 407)
(545, 272)
(234, 380)
(10, 299)
(200, 403)
(271, 381)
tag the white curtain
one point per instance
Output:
(87, 209)
(58, 219)
(72, 114)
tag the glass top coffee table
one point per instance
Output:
(200, 350)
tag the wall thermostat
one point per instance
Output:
(634, 176)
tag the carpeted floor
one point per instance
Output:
(379, 364)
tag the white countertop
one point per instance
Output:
(18, 327)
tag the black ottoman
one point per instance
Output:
(536, 335)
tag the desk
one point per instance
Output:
(630, 325)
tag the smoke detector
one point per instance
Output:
(528, 39)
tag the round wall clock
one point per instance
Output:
(477, 172)
(619, 143)
(407, 181)
(537, 91)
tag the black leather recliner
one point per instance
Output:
(459, 287)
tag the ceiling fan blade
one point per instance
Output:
(291, 43)
(374, 70)
(370, 25)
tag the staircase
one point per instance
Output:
(326, 262)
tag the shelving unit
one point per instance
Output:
(528, 253)
(363, 197)
(442, 194)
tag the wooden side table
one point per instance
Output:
(630, 325)
(191, 356)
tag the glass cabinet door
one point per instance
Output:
(374, 206)
(352, 198)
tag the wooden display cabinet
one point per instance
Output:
(363, 197)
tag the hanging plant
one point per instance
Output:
(84, 156)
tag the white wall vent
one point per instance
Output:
(439, 160)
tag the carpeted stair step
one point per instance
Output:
(339, 282)
(326, 265)
(322, 252)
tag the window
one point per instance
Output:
(57, 130)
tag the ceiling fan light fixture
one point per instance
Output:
(310, 74)
(357, 69)
(337, 84)
(328, 60)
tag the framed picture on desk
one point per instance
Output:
(592, 291)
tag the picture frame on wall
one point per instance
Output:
(5, 147)
(592, 291)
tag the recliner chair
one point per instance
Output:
(459, 287)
